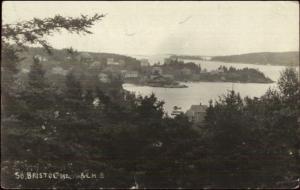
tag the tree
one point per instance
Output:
(15, 37)
(34, 31)
(29, 114)
(254, 142)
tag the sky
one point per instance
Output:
(191, 28)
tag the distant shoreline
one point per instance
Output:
(261, 58)
(185, 83)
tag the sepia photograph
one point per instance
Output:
(150, 95)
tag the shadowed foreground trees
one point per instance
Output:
(244, 143)
(255, 142)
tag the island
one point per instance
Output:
(173, 71)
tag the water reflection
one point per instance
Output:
(198, 92)
(205, 91)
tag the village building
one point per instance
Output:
(123, 72)
(103, 77)
(110, 61)
(196, 113)
(131, 74)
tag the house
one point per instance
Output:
(131, 74)
(145, 63)
(110, 61)
(103, 77)
(123, 72)
(196, 113)
(157, 70)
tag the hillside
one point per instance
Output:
(272, 58)
(60, 55)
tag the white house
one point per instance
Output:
(110, 61)
(131, 74)
(103, 77)
(197, 113)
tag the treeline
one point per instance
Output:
(193, 72)
(175, 65)
(231, 74)
(59, 56)
(272, 58)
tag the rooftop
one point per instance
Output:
(198, 108)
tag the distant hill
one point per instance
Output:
(190, 57)
(272, 58)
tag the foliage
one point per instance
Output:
(34, 31)
(84, 125)
(255, 141)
